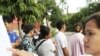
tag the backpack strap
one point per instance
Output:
(39, 45)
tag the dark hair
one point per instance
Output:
(96, 18)
(44, 31)
(8, 18)
(27, 28)
(59, 25)
(80, 27)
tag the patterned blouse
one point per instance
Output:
(28, 44)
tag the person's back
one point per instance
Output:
(44, 45)
(47, 48)
(77, 44)
(61, 42)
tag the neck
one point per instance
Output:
(62, 30)
(10, 29)
(47, 37)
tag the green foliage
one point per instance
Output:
(27, 9)
(56, 12)
(30, 10)
(56, 16)
(83, 14)
(49, 4)
(53, 32)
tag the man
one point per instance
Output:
(9, 19)
(61, 40)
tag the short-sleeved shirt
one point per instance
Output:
(13, 36)
(61, 42)
(47, 48)
(77, 44)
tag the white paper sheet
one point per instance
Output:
(4, 40)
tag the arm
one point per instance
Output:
(63, 43)
(65, 51)
(16, 44)
(55, 51)
(81, 44)
(20, 52)
(17, 41)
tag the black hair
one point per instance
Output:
(59, 25)
(27, 28)
(95, 17)
(44, 31)
(8, 18)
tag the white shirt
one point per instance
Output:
(61, 42)
(47, 48)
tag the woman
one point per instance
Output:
(45, 46)
(27, 42)
(77, 43)
(92, 35)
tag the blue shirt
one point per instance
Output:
(13, 37)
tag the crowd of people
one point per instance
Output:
(28, 41)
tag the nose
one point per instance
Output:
(85, 39)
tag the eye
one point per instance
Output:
(84, 33)
(89, 33)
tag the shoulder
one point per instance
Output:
(48, 41)
(60, 34)
(77, 36)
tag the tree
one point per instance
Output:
(56, 16)
(56, 12)
(27, 9)
(81, 16)
(32, 10)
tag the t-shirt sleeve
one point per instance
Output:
(17, 37)
(52, 46)
(63, 41)
(13, 37)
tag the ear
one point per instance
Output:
(6, 24)
(63, 27)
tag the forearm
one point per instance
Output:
(16, 44)
(21, 52)
(65, 52)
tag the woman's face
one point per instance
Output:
(92, 38)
